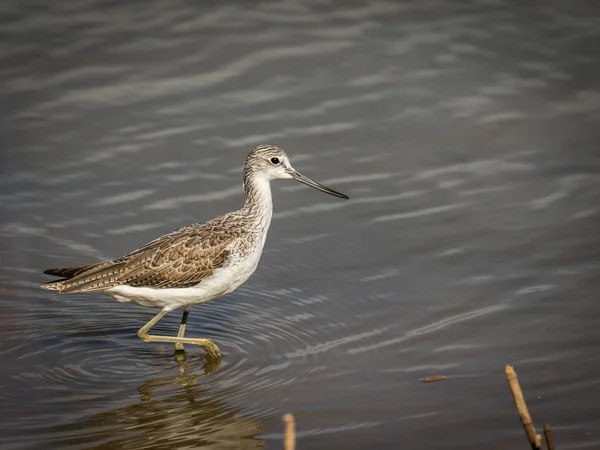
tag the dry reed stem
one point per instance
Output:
(290, 432)
(432, 378)
(548, 436)
(513, 382)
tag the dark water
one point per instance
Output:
(467, 135)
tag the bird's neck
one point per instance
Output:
(259, 203)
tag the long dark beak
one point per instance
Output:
(318, 186)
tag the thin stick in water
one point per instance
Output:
(548, 436)
(515, 388)
(290, 432)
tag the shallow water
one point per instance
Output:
(465, 133)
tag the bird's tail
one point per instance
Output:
(53, 286)
(66, 273)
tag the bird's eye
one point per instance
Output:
(274, 161)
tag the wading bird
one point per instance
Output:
(196, 263)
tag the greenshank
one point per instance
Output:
(195, 263)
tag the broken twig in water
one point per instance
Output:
(513, 382)
(433, 378)
(290, 432)
(548, 436)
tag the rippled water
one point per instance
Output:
(466, 134)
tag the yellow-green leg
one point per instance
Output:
(186, 312)
(209, 346)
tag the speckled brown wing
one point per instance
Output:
(177, 260)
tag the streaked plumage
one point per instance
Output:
(196, 263)
(181, 259)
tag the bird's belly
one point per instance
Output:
(221, 282)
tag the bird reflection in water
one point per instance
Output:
(172, 412)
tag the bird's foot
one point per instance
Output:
(211, 349)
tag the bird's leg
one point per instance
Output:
(209, 346)
(186, 312)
